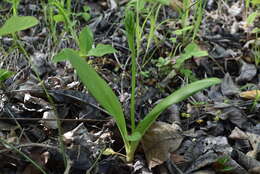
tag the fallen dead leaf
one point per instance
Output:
(254, 139)
(253, 94)
(176, 4)
(159, 141)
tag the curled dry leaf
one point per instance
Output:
(159, 141)
(253, 94)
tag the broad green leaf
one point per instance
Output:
(97, 87)
(101, 50)
(18, 23)
(5, 74)
(85, 41)
(176, 97)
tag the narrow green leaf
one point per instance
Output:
(101, 50)
(5, 74)
(129, 23)
(97, 87)
(177, 96)
(18, 23)
(85, 41)
(136, 136)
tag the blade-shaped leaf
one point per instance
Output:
(97, 87)
(101, 50)
(18, 23)
(5, 74)
(85, 41)
(175, 97)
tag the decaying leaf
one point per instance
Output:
(254, 139)
(50, 124)
(161, 139)
(253, 94)
(176, 4)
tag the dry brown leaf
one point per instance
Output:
(253, 94)
(176, 5)
(159, 141)
(178, 159)
(254, 139)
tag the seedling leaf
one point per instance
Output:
(85, 41)
(101, 50)
(18, 23)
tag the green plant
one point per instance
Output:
(60, 12)
(198, 17)
(255, 45)
(15, 4)
(107, 98)
(145, 13)
(222, 164)
(4, 74)
(191, 50)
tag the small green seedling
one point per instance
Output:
(86, 48)
(107, 98)
(224, 167)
